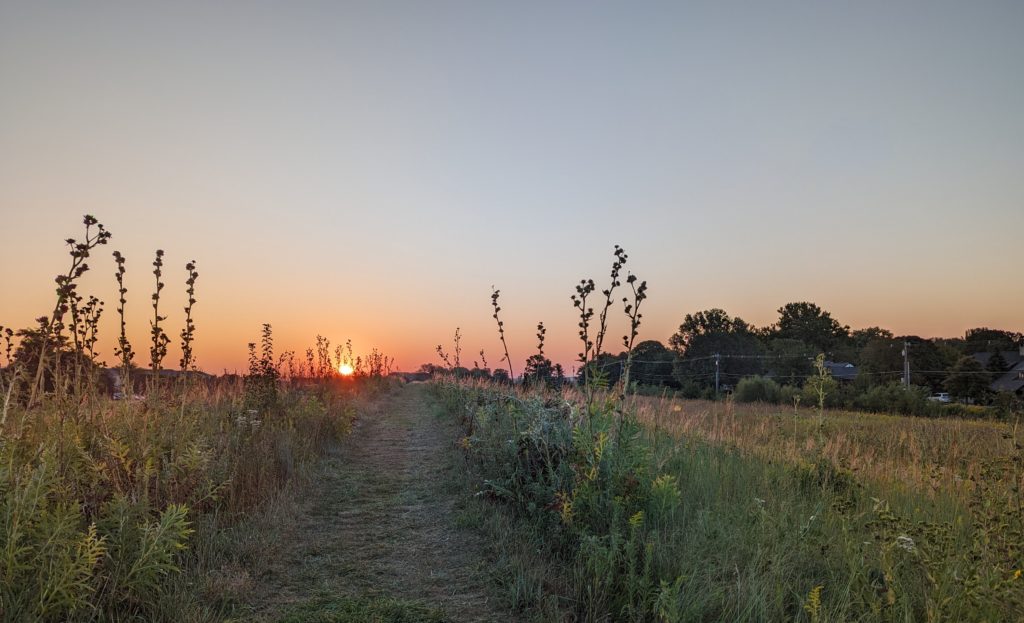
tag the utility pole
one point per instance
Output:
(906, 363)
(718, 358)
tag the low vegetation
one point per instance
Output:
(648, 509)
(114, 510)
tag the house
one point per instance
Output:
(1013, 379)
(1011, 357)
(841, 370)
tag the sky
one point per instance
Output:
(368, 170)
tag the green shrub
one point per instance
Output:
(895, 397)
(757, 389)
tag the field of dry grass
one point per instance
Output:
(890, 450)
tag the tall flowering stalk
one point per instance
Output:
(66, 290)
(123, 351)
(158, 350)
(632, 310)
(501, 332)
(188, 333)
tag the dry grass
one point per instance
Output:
(893, 451)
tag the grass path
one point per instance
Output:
(379, 522)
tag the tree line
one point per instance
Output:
(712, 352)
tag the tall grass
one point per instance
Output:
(101, 500)
(653, 515)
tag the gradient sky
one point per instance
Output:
(369, 170)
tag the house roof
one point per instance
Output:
(1012, 357)
(1011, 381)
(842, 370)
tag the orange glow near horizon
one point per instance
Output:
(345, 370)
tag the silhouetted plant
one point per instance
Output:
(188, 333)
(617, 264)
(8, 334)
(448, 361)
(458, 347)
(445, 359)
(323, 357)
(66, 286)
(286, 365)
(84, 329)
(501, 331)
(585, 288)
(261, 381)
(632, 310)
(123, 350)
(158, 350)
(377, 364)
(538, 367)
(593, 346)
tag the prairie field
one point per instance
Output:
(322, 312)
(692, 510)
(325, 488)
(925, 454)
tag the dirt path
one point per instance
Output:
(380, 521)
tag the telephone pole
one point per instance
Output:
(906, 363)
(718, 357)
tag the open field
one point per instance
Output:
(730, 514)
(511, 312)
(920, 453)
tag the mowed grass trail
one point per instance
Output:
(376, 538)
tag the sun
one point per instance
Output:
(345, 370)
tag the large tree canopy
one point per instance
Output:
(989, 340)
(810, 324)
(652, 364)
(789, 361)
(712, 332)
(967, 379)
(882, 361)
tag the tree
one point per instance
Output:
(850, 349)
(713, 332)
(605, 369)
(984, 339)
(811, 324)
(652, 364)
(882, 361)
(62, 364)
(861, 337)
(968, 379)
(538, 370)
(997, 364)
(790, 361)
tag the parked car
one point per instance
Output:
(940, 397)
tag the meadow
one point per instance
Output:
(648, 514)
(295, 492)
(603, 505)
(156, 505)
